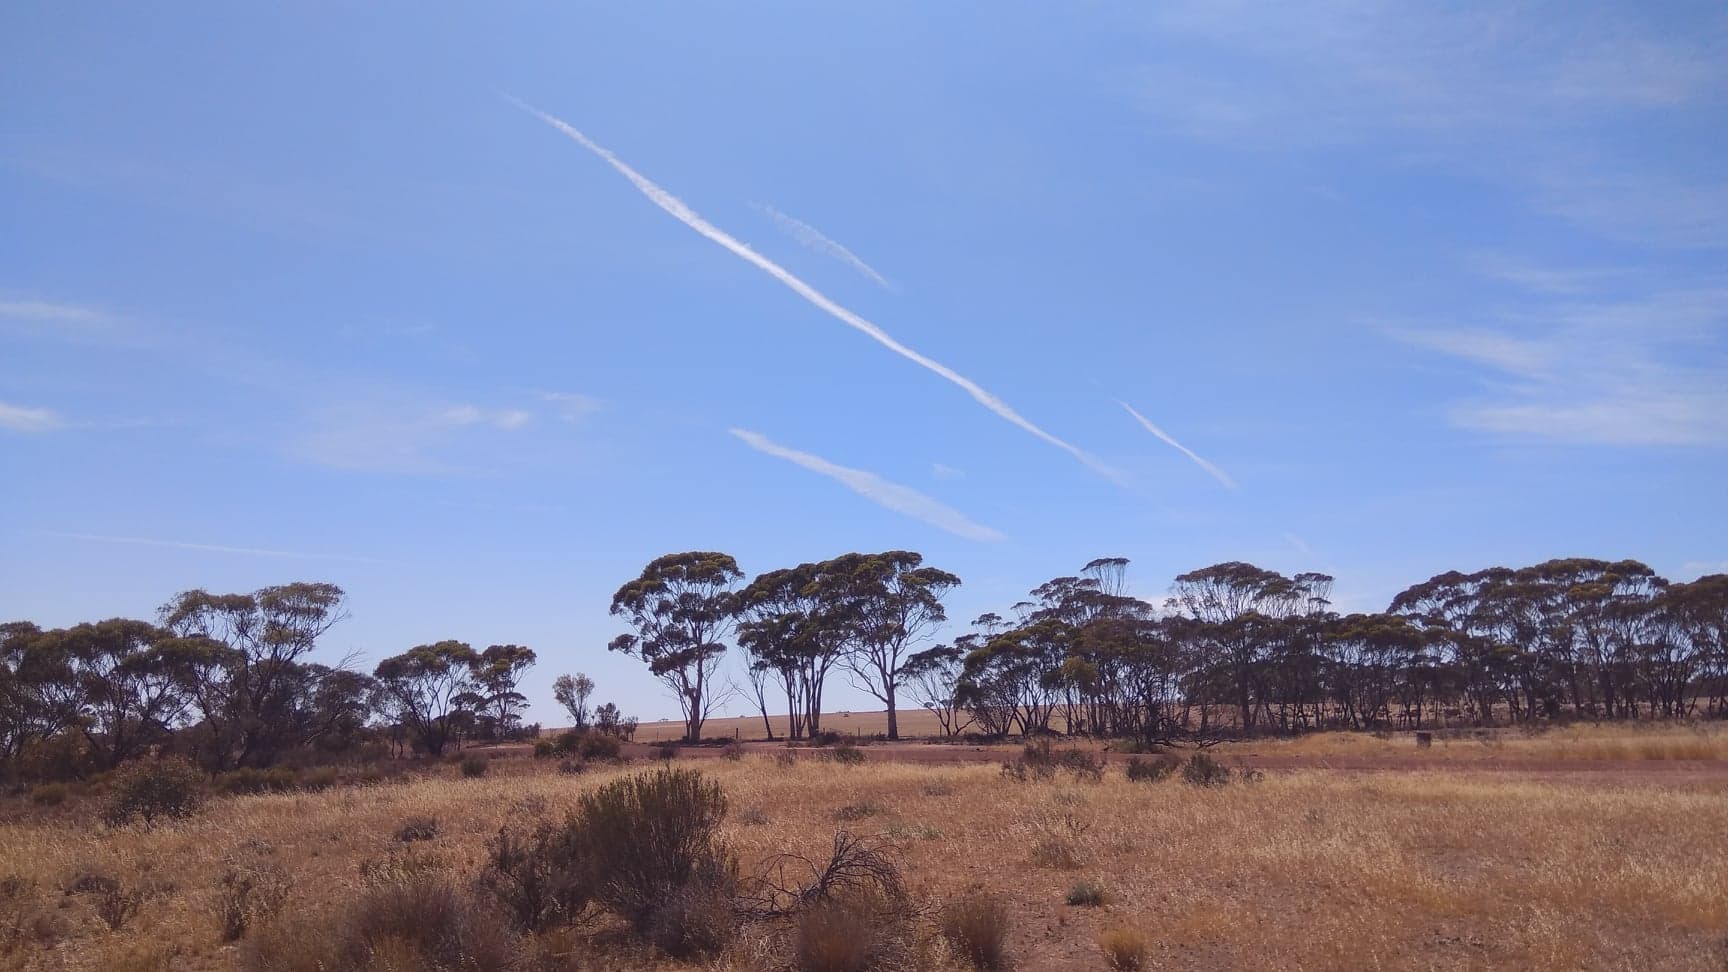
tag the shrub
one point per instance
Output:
(544, 749)
(1055, 852)
(1040, 761)
(1124, 949)
(667, 751)
(650, 836)
(1203, 770)
(417, 828)
(1086, 894)
(697, 918)
(248, 780)
(825, 738)
(852, 933)
(733, 751)
(245, 895)
(1151, 770)
(152, 789)
(536, 877)
(976, 927)
(568, 742)
(49, 794)
(572, 767)
(846, 755)
(116, 905)
(474, 767)
(857, 811)
(424, 922)
(599, 747)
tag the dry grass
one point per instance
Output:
(1605, 741)
(1304, 870)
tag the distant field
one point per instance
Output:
(1307, 869)
(913, 722)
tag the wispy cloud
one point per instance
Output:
(900, 499)
(1211, 470)
(944, 471)
(570, 406)
(814, 238)
(210, 547)
(1631, 369)
(1300, 544)
(48, 312)
(17, 418)
(1554, 99)
(677, 209)
(411, 436)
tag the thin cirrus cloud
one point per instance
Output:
(816, 240)
(677, 209)
(901, 499)
(1211, 470)
(18, 418)
(210, 547)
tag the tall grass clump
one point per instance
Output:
(975, 926)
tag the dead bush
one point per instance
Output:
(699, 918)
(245, 895)
(975, 926)
(1124, 949)
(855, 869)
(116, 905)
(1055, 852)
(1087, 894)
(855, 932)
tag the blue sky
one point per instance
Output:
(313, 292)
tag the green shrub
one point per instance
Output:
(597, 747)
(1203, 770)
(976, 928)
(474, 767)
(1151, 770)
(149, 790)
(846, 755)
(1086, 894)
(49, 794)
(649, 836)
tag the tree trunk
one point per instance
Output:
(893, 717)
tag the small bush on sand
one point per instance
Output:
(416, 828)
(1153, 770)
(474, 767)
(1124, 949)
(975, 926)
(1086, 894)
(846, 755)
(1203, 770)
(152, 790)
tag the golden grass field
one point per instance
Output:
(1307, 869)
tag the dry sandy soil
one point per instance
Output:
(1554, 859)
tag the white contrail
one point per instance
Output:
(900, 499)
(676, 208)
(1215, 472)
(814, 238)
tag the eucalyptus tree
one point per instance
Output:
(572, 692)
(427, 689)
(244, 653)
(496, 673)
(932, 677)
(682, 608)
(895, 605)
(797, 623)
(129, 698)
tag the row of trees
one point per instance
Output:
(1234, 647)
(226, 679)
